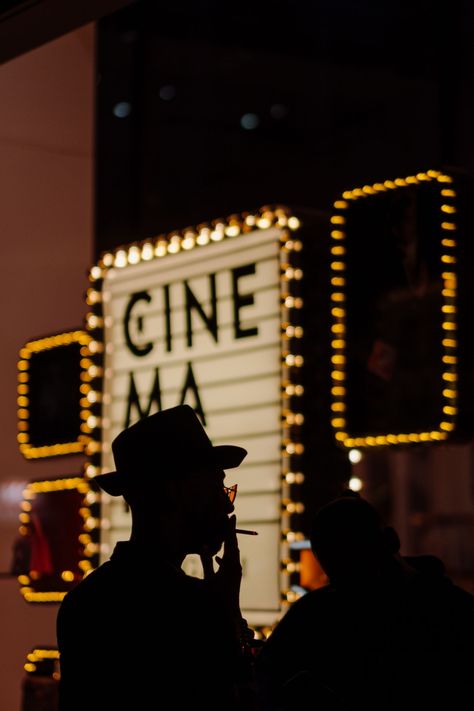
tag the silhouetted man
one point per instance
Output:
(138, 633)
(386, 634)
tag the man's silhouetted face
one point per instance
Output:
(194, 510)
(206, 508)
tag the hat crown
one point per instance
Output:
(157, 441)
(171, 443)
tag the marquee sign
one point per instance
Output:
(210, 317)
(394, 286)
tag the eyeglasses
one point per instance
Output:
(231, 492)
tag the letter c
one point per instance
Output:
(134, 299)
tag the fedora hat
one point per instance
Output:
(169, 443)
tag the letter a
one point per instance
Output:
(190, 384)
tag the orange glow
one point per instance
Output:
(312, 576)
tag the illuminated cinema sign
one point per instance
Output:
(394, 328)
(210, 317)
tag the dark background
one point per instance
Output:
(207, 109)
(334, 95)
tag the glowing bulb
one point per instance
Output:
(203, 237)
(161, 248)
(355, 456)
(134, 255)
(188, 241)
(120, 259)
(147, 251)
(293, 223)
(96, 273)
(355, 484)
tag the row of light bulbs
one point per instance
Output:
(190, 238)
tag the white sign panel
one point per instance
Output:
(204, 327)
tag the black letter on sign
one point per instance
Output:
(134, 401)
(241, 300)
(135, 298)
(190, 384)
(193, 303)
(166, 293)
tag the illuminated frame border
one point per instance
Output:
(38, 655)
(448, 312)
(291, 274)
(26, 353)
(90, 547)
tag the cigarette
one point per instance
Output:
(247, 533)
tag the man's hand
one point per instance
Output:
(226, 580)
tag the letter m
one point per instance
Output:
(133, 400)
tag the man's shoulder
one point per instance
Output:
(313, 606)
(316, 599)
(432, 581)
(89, 588)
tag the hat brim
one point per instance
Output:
(112, 483)
(226, 456)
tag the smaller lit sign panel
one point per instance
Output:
(56, 546)
(53, 408)
(393, 305)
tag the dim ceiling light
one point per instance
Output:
(278, 111)
(167, 92)
(249, 121)
(122, 109)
